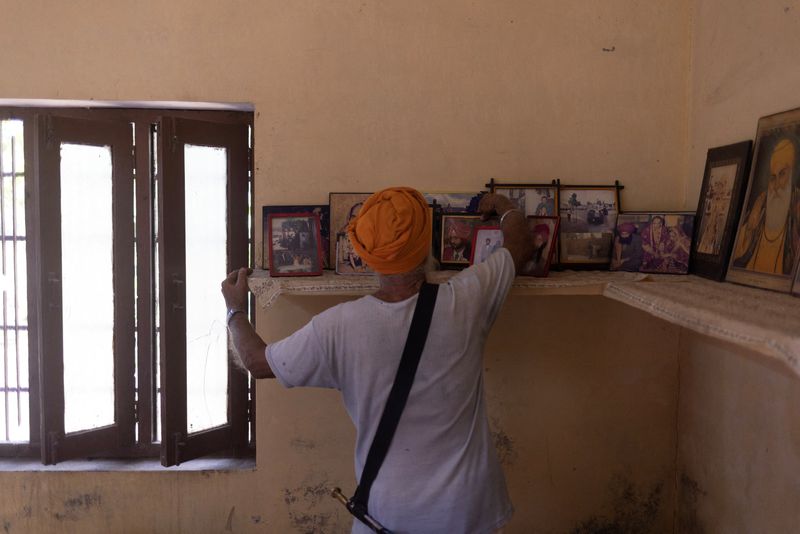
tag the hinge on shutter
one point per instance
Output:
(136, 411)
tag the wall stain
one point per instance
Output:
(504, 445)
(304, 505)
(256, 519)
(689, 494)
(79, 506)
(635, 511)
(609, 49)
(7, 527)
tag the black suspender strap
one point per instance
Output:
(417, 335)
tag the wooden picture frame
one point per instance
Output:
(721, 196)
(295, 245)
(485, 240)
(343, 208)
(453, 202)
(545, 240)
(532, 199)
(455, 239)
(767, 245)
(588, 218)
(324, 213)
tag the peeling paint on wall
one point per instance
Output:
(503, 443)
(307, 508)
(635, 510)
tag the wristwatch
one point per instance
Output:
(231, 313)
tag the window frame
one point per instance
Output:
(143, 157)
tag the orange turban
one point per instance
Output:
(392, 231)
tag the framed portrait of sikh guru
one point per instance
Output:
(767, 242)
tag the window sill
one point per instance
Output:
(138, 465)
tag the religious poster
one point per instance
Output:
(767, 243)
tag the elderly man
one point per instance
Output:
(769, 238)
(441, 472)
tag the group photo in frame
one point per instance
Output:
(486, 240)
(767, 245)
(531, 199)
(295, 246)
(322, 211)
(653, 242)
(455, 243)
(544, 230)
(721, 196)
(588, 218)
(344, 207)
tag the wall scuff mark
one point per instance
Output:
(79, 506)
(689, 494)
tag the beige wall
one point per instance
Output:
(739, 426)
(356, 95)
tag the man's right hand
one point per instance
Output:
(517, 236)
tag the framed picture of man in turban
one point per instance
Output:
(343, 208)
(295, 247)
(721, 197)
(588, 217)
(545, 238)
(455, 246)
(765, 252)
(626, 250)
(324, 214)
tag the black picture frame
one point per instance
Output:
(295, 244)
(596, 238)
(718, 209)
(512, 190)
(462, 226)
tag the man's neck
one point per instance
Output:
(399, 287)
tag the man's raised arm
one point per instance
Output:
(249, 348)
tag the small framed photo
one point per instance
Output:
(344, 207)
(767, 245)
(545, 239)
(485, 240)
(455, 246)
(721, 196)
(456, 202)
(323, 211)
(295, 245)
(660, 242)
(588, 218)
(532, 199)
(626, 251)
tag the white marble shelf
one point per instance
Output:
(763, 321)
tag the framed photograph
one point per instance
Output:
(588, 218)
(532, 199)
(343, 208)
(663, 240)
(485, 240)
(545, 239)
(458, 202)
(767, 245)
(721, 196)
(626, 250)
(324, 214)
(295, 246)
(455, 246)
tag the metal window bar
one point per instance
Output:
(7, 389)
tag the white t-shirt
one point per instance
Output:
(441, 473)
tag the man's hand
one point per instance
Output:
(234, 289)
(492, 205)
(516, 235)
